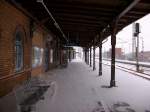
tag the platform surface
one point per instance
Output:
(79, 89)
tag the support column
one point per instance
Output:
(90, 57)
(137, 53)
(60, 56)
(94, 58)
(113, 44)
(100, 56)
(69, 55)
(85, 56)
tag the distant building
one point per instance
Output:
(144, 56)
(119, 53)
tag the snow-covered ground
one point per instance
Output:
(79, 89)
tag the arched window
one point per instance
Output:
(18, 51)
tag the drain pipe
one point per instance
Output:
(55, 23)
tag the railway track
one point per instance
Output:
(134, 72)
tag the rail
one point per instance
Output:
(134, 72)
(147, 65)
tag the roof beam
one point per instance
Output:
(80, 6)
(81, 21)
(79, 30)
(127, 9)
(83, 12)
(138, 12)
(79, 25)
(85, 17)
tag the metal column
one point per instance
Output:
(85, 56)
(69, 55)
(94, 58)
(137, 53)
(90, 57)
(60, 56)
(113, 44)
(100, 57)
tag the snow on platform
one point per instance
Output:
(79, 89)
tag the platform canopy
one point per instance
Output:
(83, 20)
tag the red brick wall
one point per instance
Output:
(10, 20)
(38, 41)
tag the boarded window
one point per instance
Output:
(51, 56)
(37, 55)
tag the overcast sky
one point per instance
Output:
(124, 37)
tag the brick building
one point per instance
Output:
(26, 48)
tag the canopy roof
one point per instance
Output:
(82, 20)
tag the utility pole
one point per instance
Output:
(137, 53)
(136, 31)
